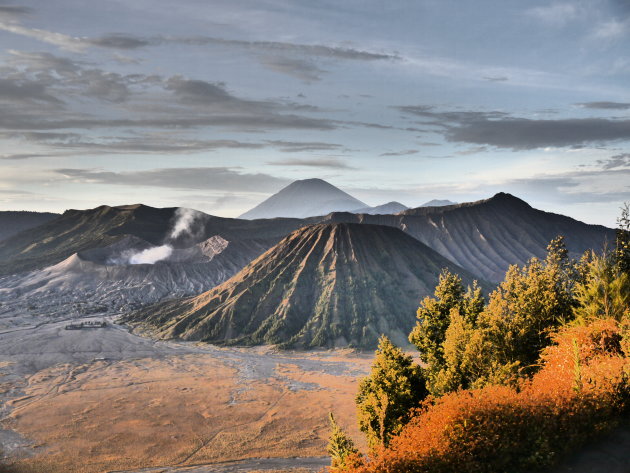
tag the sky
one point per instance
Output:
(215, 105)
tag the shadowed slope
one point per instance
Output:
(486, 236)
(323, 285)
(79, 230)
(13, 222)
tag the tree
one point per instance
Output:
(386, 397)
(520, 315)
(341, 448)
(455, 374)
(434, 318)
(604, 291)
(622, 247)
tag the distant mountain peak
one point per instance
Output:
(506, 198)
(305, 198)
(438, 203)
(389, 208)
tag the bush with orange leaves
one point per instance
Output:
(582, 390)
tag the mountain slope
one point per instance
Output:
(388, 208)
(323, 285)
(102, 279)
(438, 203)
(484, 237)
(13, 222)
(306, 198)
(487, 236)
(79, 230)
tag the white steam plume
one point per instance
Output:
(184, 219)
(151, 255)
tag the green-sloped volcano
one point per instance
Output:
(324, 285)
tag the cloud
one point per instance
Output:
(576, 187)
(242, 122)
(556, 14)
(605, 105)
(26, 91)
(205, 178)
(292, 59)
(73, 78)
(64, 41)
(302, 69)
(496, 79)
(118, 41)
(162, 143)
(20, 156)
(332, 163)
(198, 91)
(405, 152)
(319, 50)
(11, 11)
(151, 144)
(284, 57)
(475, 150)
(521, 133)
(303, 146)
(612, 29)
(614, 162)
(42, 91)
(495, 128)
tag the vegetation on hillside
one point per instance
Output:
(512, 385)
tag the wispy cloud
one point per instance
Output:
(302, 69)
(618, 161)
(43, 91)
(332, 163)
(21, 156)
(293, 59)
(206, 178)
(405, 152)
(605, 105)
(555, 14)
(500, 129)
(612, 29)
(303, 146)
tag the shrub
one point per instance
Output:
(498, 428)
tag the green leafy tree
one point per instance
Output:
(455, 374)
(341, 448)
(604, 291)
(386, 397)
(520, 315)
(434, 318)
(622, 247)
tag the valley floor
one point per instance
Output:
(98, 400)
